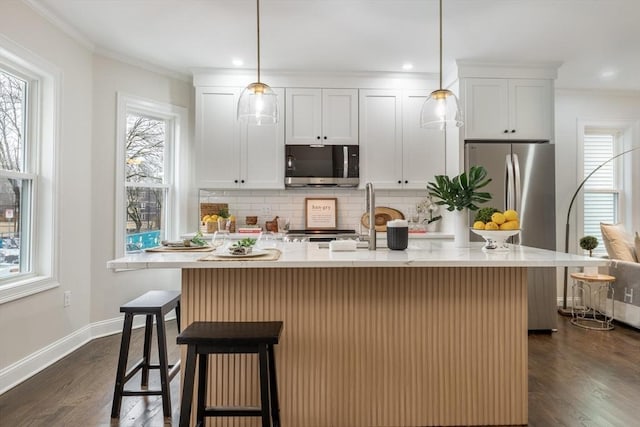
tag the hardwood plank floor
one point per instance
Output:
(577, 377)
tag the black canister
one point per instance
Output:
(398, 234)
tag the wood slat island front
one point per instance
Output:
(375, 338)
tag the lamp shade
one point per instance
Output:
(258, 105)
(441, 109)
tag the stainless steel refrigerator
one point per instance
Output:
(523, 175)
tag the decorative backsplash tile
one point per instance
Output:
(266, 204)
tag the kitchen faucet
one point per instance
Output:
(370, 201)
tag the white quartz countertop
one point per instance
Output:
(420, 253)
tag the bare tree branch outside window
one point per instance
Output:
(13, 97)
(145, 151)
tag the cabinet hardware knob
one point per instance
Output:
(325, 137)
(318, 137)
(399, 182)
(235, 181)
(406, 181)
(506, 131)
(513, 131)
(242, 181)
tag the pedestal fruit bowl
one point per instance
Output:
(496, 240)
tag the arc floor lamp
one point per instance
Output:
(564, 309)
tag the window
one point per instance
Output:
(28, 137)
(602, 190)
(148, 145)
(16, 177)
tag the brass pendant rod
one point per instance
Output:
(440, 10)
(258, 34)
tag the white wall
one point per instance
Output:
(573, 107)
(112, 289)
(31, 323)
(36, 330)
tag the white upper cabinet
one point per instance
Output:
(395, 152)
(234, 155)
(381, 138)
(322, 116)
(508, 109)
(423, 150)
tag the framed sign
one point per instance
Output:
(320, 212)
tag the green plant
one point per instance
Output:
(244, 243)
(589, 243)
(223, 213)
(461, 191)
(484, 214)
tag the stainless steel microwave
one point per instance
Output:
(322, 166)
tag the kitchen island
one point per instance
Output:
(433, 335)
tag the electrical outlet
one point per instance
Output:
(67, 298)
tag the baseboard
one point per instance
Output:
(27, 367)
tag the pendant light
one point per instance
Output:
(258, 103)
(441, 108)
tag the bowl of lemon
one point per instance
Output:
(496, 227)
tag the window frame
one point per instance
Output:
(41, 166)
(623, 131)
(175, 134)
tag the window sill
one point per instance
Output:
(24, 288)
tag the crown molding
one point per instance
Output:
(61, 24)
(522, 70)
(625, 93)
(317, 79)
(145, 65)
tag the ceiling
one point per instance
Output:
(597, 41)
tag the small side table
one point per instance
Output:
(593, 291)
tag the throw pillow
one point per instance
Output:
(617, 242)
(637, 247)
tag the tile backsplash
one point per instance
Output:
(289, 204)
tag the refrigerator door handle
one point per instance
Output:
(517, 192)
(509, 195)
(517, 183)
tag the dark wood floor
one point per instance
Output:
(577, 377)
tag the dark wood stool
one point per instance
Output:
(158, 304)
(204, 338)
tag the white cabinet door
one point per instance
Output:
(303, 116)
(381, 138)
(262, 153)
(486, 112)
(508, 109)
(340, 116)
(531, 109)
(217, 137)
(423, 150)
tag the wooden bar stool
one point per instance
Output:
(152, 303)
(204, 338)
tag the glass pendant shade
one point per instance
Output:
(258, 105)
(440, 110)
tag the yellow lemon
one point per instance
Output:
(232, 218)
(498, 218)
(511, 215)
(491, 226)
(478, 225)
(510, 225)
(205, 218)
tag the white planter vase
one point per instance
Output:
(460, 228)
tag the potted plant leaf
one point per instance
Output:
(589, 243)
(459, 193)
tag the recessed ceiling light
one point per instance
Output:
(407, 66)
(608, 74)
(237, 62)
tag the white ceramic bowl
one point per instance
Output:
(495, 239)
